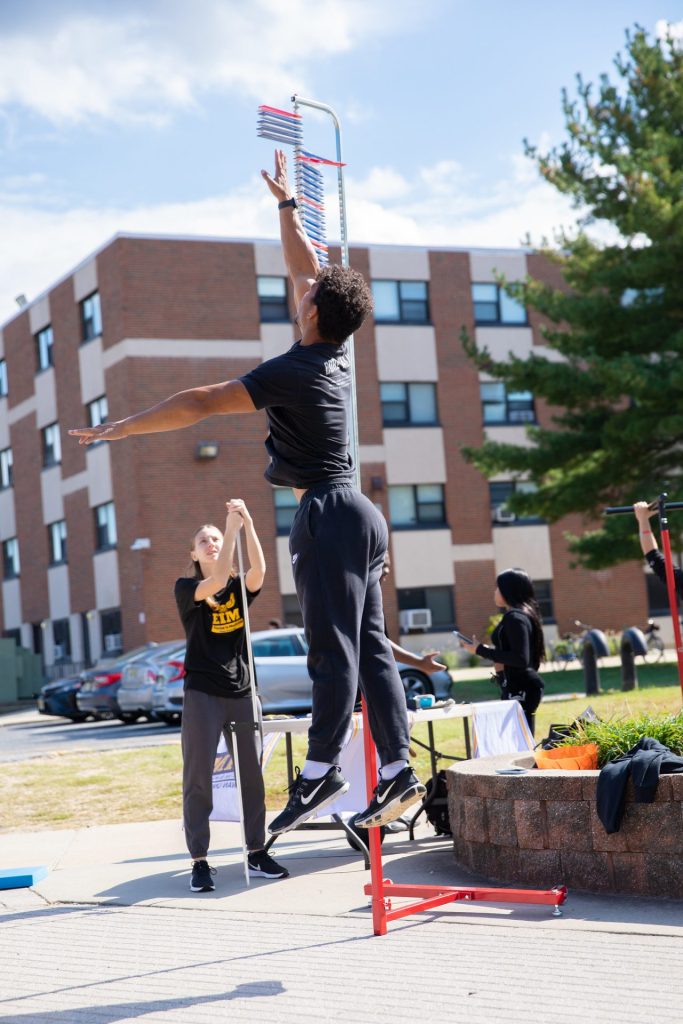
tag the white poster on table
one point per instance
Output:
(225, 800)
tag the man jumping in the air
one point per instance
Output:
(338, 539)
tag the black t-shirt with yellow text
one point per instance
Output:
(216, 655)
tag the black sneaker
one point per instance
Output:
(261, 865)
(308, 796)
(391, 798)
(202, 880)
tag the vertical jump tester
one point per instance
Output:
(286, 128)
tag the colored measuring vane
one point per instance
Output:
(286, 128)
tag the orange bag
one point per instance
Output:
(568, 758)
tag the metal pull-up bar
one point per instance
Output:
(663, 507)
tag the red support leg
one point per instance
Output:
(429, 896)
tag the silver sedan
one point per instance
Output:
(284, 685)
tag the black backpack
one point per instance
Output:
(436, 805)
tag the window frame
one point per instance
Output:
(88, 334)
(11, 560)
(513, 485)
(506, 401)
(6, 468)
(110, 544)
(408, 604)
(498, 321)
(56, 458)
(4, 379)
(280, 305)
(420, 524)
(402, 303)
(284, 520)
(57, 529)
(44, 348)
(407, 401)
(546, 605)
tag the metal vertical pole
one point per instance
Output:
(670, 581)
(343, 231)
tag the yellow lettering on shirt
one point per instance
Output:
(226, 618)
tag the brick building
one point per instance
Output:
(92, 539)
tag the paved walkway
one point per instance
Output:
(114, 935)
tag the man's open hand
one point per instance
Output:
(102, 432)
(278, 184)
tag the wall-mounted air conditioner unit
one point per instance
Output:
(503, 515)
(112, 642)
(415, 618)
(58, 652)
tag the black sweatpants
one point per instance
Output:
(204, 719)
(337, 543)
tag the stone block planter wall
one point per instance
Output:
(541, 829)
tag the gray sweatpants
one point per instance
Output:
(204, 719)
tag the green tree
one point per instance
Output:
(616, 393)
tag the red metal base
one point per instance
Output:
(429, 896)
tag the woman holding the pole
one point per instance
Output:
(218, 689)
(648, 544)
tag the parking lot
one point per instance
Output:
(27, 734)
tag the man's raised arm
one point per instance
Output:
(300, 257)
(180, 410)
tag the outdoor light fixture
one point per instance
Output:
(206, 450)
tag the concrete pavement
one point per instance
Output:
(113, 935)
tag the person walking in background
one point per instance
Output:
(218, 690)
(517, 643)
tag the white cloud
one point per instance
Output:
(148, 62)
(664, 28)
(40, 245)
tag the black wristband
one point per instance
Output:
(288, 202)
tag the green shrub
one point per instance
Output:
(616, 736)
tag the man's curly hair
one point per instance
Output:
(343, 299)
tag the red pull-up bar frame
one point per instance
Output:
(429, 896)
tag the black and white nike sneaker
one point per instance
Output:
(308, 796)
(391, 798)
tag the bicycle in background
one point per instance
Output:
(655, 644)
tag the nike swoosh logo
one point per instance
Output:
(381, 799)
(307, 799)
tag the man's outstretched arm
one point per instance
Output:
(180, 410)
(302, 262)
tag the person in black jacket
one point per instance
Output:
(517, 642)
(648, 544)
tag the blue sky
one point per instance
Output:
(140, 116)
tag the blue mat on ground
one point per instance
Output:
(21, 878)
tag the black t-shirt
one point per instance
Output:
(658, 565)
(216, 657)
(306, 393)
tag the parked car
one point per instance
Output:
(59, 698)
(97, 695)
(283, 681)
(138, 678)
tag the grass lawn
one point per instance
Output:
(74, 790)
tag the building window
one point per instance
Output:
(97, 411)
(105, 527)
(272, 299)
(492, 305)
(418, 505)
(6, 469)
(52, 446)
(57, 537)
(544, 599)
(112, 635)
(44, 345)
(408, 404)
(3, 378)
(91, 317)
(499, 494)
(503, 407)
(400, 302)
(61, 634)
(285, 509)
(10, 559)
(438, 600)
